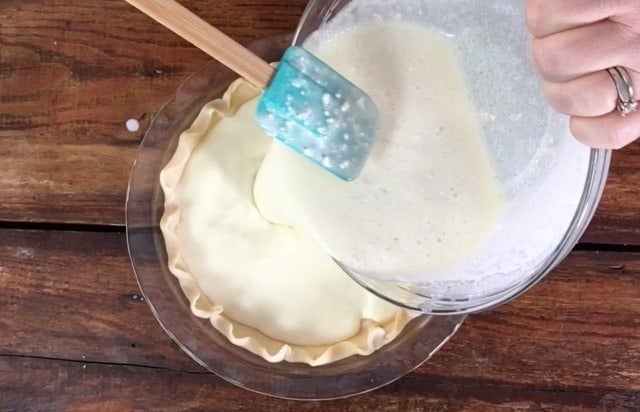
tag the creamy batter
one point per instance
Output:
(267, 287)
(428, 196)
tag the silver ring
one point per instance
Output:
(626, 102)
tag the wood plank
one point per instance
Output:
(578, 327)
(71, 295)
(44, 385)
(72, 73)
(618, 217)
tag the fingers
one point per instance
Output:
(610, 131)
(577, 52)
(592, 95)
(546, 17)
(576, 41)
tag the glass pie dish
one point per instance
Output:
(420, 339)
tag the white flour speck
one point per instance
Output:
(132, 125)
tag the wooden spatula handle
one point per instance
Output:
(207, 38)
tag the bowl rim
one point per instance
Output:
(408, 297)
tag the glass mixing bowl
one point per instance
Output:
(420, 339)
(551, 183)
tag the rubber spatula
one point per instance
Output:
(306, 104)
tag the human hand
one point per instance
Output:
(576, 41)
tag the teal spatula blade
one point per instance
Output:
(318, 113)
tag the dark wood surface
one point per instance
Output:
(75, 333)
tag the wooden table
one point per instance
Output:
(74, 332)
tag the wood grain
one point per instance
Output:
(618, 217)
(72, 73)
(191, 27)
(82, 386)
(72, 296)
